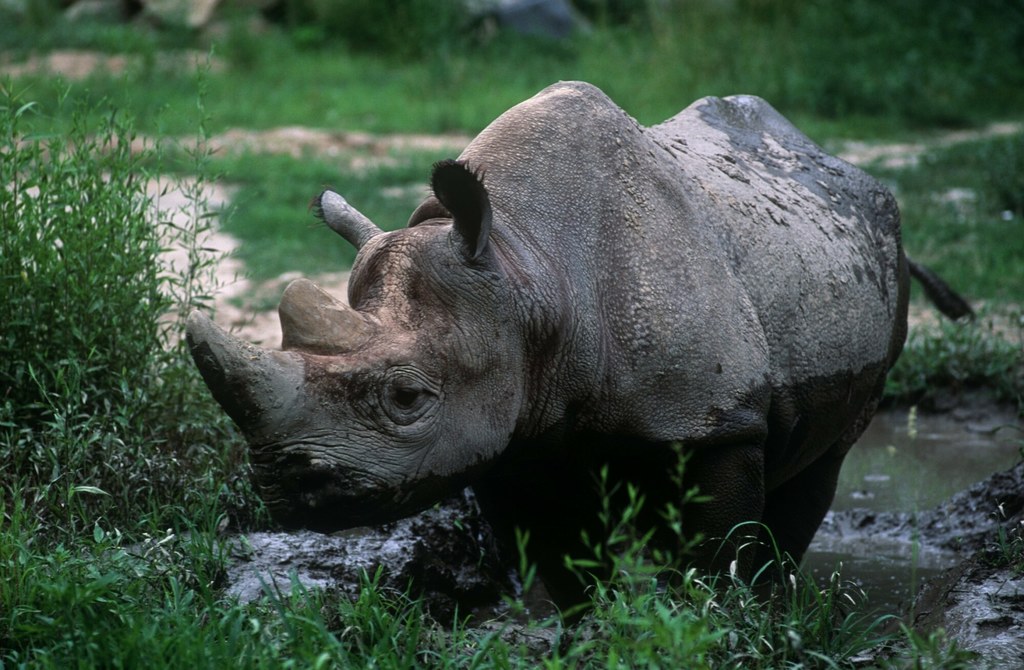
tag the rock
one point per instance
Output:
(546, 18)
(555, 19)
(96, 10)
(448, 555)
(188, 13)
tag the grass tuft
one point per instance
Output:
(947, 356)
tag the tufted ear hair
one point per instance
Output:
(462, 192)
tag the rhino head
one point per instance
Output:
(373, 411)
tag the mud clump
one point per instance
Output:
(446, 556)
(980, 600)
(980, 604)
(449, 557)
(964, 524)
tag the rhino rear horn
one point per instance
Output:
(462, 193)
(344, 219)
(314, 321)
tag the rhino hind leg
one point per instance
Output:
(794, 511)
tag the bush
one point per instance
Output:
(404, 28)
(921, 62)
(101, 412)
(81, 273)
(924, 60)
(993, 167)
(959, 356)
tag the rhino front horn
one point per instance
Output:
(345, 219)
(256, 387)
(314, 321)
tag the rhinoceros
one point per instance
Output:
(579, 293)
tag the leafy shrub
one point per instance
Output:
(994, 167)
(101, 412)
(1004, 160)
(81, 271)
(404, 28)
(926, 60)
(959, 356)
(919, 61)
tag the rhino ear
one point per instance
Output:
(462, 193)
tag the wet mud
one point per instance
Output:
(968, 581)
(980, 605)
(960, 526)
(910, 462)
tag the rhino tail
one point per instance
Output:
(948, 301)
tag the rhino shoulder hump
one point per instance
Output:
(746, 119)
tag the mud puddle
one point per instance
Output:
(904, 467)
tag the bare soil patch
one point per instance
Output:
(356, 151)
(908, 154)
(76, 65)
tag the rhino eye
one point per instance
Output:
(407, 395)
(405, 398)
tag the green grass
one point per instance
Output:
(960, 356)
(98, 601)
(940, 63)
(963, 214)
(271, 213)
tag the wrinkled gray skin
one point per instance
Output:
(582, 291)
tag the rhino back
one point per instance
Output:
(814, 241)
(691, 266)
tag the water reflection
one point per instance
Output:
(908, 460)
(905, 462)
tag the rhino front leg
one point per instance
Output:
(555, 500)
(554, 503)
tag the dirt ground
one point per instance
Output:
(77, 65)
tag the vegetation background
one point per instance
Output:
(118, 476)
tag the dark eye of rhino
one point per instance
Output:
(405, 398)
(408, 395)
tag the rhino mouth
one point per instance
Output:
(300, 494)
